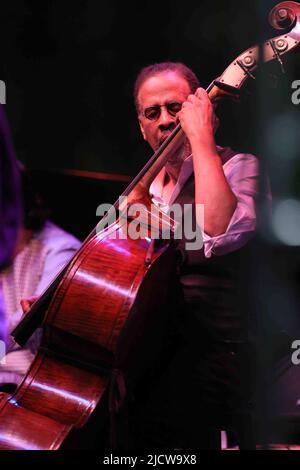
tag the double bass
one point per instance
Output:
(102, 324)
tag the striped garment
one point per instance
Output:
(32, 271)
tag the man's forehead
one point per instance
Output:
(165, 82)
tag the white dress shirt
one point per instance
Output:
(241, 172)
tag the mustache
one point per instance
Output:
(161, 141)
(165, 134)
(167, 128)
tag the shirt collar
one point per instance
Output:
(186, 170)
(157, 185)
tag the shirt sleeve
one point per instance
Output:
(60, 246)
(57, 257)
(241, 172)
(59, 250)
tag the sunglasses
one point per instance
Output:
(153, 112)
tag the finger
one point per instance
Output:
(25, 305)
(202, 95)
(191, 99)
(188, 103)
(201, 92)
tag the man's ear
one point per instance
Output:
(142, 129)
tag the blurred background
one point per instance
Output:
(70, 69)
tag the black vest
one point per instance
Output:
(213, 306)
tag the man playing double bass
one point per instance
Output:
(204, 380)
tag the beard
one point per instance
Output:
(180, 153)
(164, 137)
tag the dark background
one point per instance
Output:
(69, 69)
